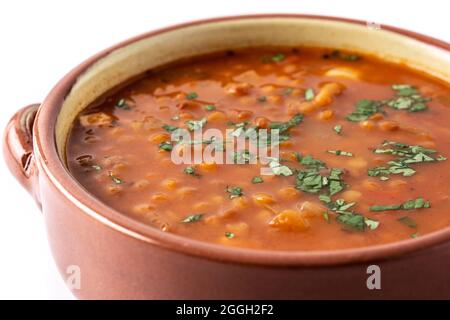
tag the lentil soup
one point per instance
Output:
(363, 147)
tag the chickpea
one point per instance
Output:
(238, 89)
(371, 185)
(217, 116)
(351, 195)
(310, 209)
(389, 126)
(326, 115)
(288, 193)
(261, 122)
(263, 199)
(143, 208)
(170, 184)
(367, 124)
(289, 220)
(207, 166)
(160, 197)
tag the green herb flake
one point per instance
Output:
(122, 104)
(193, 218)
(371, 224)
(413, 204)
(166, 146)
(340, 153)
(209, 107)
(279, 169)
(261, 99)
(257, 179)
(287, 91)
(234, 192)
(192, 95)
(191, 171)
(364, 109)
(407, 221)
(229, 235)
(194, 125)
(115, 179)
(352, 221)
(326, 216)
(310, 162)
(169, 128)
(309, 94)
(278, 57)
(285, 126)
(337, 54)
(406, 156)
(338, 129)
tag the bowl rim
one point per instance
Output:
(49, 162)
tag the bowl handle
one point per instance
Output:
(18, 148)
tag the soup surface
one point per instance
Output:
(362, 150)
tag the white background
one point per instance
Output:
(42, 40)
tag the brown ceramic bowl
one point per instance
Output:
(122, 258)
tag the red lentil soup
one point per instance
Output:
(363, 147)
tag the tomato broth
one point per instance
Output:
(362, 150)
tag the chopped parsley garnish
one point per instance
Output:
(287, 91)
(166, 145)
(408, 221)
(312, 181)
(257, 179)
(364, 109)
(309, 94)
(242, 157)
(191, 171)
(406, 98)
(336, 54)
(352, 220)
(338, 129)
(277, 57)
(209, 107)
(122, 104)
(285, 126)
(234, 192)
(310, 162)
(349, 218)
(413, 204)
(192, 95)
(115, 179)
(196, 124)
(229, 235)
(261, 99)
(279, 169)
(406, 155)
(169, 128)
(341, 153)
(193, 218)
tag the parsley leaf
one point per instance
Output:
(193, 218)
(257, 179)
(192, 95)
(234, 192)
(196, 125)
(309, 94)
